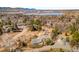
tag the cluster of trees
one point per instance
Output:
(7, 26)
(35, 25)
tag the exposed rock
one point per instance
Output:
(62, 43)
(39, 41)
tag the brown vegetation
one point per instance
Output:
(20, 32)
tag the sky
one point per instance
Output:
(41, 4)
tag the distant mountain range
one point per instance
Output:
(32, 11)
(14, 9)
(9, 10)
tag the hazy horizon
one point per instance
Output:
(41, 4)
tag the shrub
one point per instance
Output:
(14, 27)
(75, 39)
(62, 18)
(77, 20)
(73, 28)
(1, 25)
(36, 25)
(49, 42)
(55, 32)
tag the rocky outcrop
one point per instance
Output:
(39, 41)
